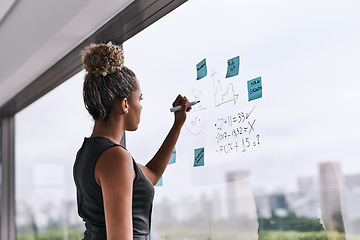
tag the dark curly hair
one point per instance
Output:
(106, 80)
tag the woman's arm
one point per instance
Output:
(114, 172)
(156, 166)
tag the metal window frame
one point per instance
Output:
(133, 19)
(7, 178)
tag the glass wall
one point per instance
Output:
(48, 134)
(280, 165)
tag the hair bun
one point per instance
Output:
(102, 59)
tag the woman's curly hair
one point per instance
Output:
(106, 80)
(102, 59)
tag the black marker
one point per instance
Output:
(177, 108)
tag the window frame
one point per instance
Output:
(7, 178)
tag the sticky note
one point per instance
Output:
(201, 69)
(160, 182)
(173, 157)
(254, 88)
(233, 67)
(199, 157)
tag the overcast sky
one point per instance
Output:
(307, 54)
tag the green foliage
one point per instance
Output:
(58, 234)
(192, 234)
(281, 235)
(290, 223)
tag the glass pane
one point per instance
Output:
(274, 144)
(48, 134)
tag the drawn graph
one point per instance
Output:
(224, 92)
(196, 117)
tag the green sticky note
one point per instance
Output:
(201, 69)
(199, 157)
(254, 88)
(233, 67)
(173, 157)
(160, 182)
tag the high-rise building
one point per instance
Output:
(331, 183)
(241, 201)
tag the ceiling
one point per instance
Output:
(35, 34)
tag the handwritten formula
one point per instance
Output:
(236, 133)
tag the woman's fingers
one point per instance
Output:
(180, 100)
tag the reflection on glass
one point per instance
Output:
(48, 134)
(297, 175)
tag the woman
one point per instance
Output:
(114, 193)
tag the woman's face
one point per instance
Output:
(134, 108)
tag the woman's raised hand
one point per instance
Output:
(180, 116)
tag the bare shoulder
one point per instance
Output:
(115, 164)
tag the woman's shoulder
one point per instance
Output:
(115, 162)
(116, 155)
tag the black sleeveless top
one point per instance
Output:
(89, 195)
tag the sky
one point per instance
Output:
(306, 53)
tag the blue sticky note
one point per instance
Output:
(160, 182)
(201, 69)
(254, 88)
(199, 157)
(173, 157)
(233, 67)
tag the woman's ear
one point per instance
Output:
(125, 105)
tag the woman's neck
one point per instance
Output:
(108, 129)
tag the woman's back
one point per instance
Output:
(90, 197)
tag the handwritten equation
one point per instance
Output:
(236, 133)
